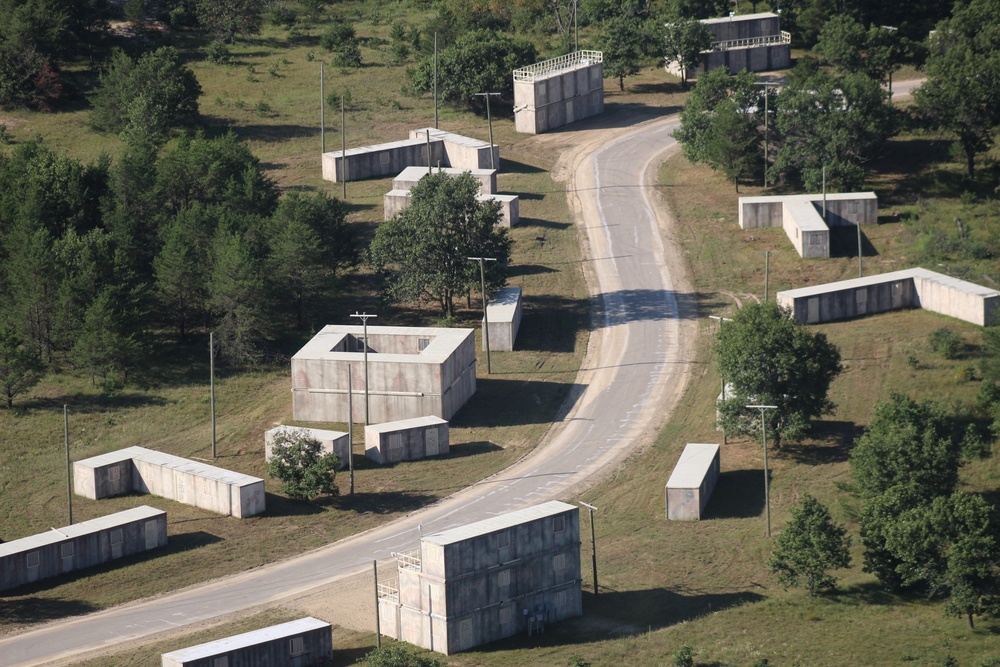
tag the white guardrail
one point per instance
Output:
(568, 61)
(783, 38)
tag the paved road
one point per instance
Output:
(638, 365)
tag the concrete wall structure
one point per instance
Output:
(504, 314)
(692, 482)
(190, 482)
(410, 176)
(446, 149)
(911, 288)
(488, 580)
(558, 92)
(395, 201)
(413, 371)
(752, 41)
(801, 216)
(81, 545)
(306, 641)
(331, 442)
(406, 439)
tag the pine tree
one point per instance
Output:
(810, 545)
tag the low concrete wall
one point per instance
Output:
(460, 152)
(395, 201)
(81, 545)
(805, 229)
(331, 442)
(692, 481)
(504, 314)
(910, 288)
(190, 482)
(406, 439)
(380, 160)
(801, 216)
(306, 641)
(410, 176)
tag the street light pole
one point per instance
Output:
(489, 118)
(364, 317)
(721, 376)
(593, 542)
(486, 319)
(763, 432)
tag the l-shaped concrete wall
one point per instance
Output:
(802, 217)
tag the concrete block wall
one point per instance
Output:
(81, 545)
(801, 216)
(460, 152)
(331, 442)
(805, 229)
(747, 26)
(306, 641)
(559, 98)
(504, 315)
(406, 439)
(395, 201)
(410, 176)
(692, 481)
(380, 160)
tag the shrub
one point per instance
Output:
(299, 462)
(684, 657)
(339, 33)
(217, 52)
(946, 342)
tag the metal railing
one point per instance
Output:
(409, 560)
(783, 38)
(568, 61)
(389, 590)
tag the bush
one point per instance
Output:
(684, 657)
(299, 462)
(338, 34)
(217, 52)
(946, 342)
(397, 656)
(348, 55)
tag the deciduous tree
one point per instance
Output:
(299, 462)
(229, 19)
(684, 42)
(621, 41)
(809, 546)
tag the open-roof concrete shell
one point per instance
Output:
(752, 41)
(395, 201)
(911, 288)
(406, 179)
(558, 91)
(478, 583)
(692, 481)
(413, 371)
(306, 641)
(186, 481)
(504, 314)
(407, 439)
(331, 442)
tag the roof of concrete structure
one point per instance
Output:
(742, 17)
(378, 147)
(170, 461)
(444, 341)
(806, 217)
(557, 65)
(503, 304)
(403, 424)
(451, 137)
(502, 522)
(905, 274)
(691, 468)
(56, 535)
(416, 173)
(811, 197)
(280, 631)
(398, 193)
(319, 433)
(496, 197)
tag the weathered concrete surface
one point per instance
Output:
(331, 442)
(504, 315)
(406, 439)
(459, 151)
(306, 641)
(395, 201)
(751, 41)
(410, 176)
(559, 91)
(692, 481)
(911, 288)
(801, 216)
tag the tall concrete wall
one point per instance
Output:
(306, 641)
(504, 315)
(81, 545)
(692, 481)
(331, 442)
(461, 152)
(558, 92)
(806, 230)
(752, 41)
(395, 201)
(406, 440)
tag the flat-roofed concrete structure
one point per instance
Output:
(504, 314)
(801, 216)
(692, 482)
(559, 91)
(406, 439)
(186, 481)
(82, 545)
(306, 641)
(488, 580)
(413, 371)
(395, 201)
(447, 149)
(410, 176)
(754, 42)
(910, 288)
(331, 442)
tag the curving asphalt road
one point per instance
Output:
(635, 368)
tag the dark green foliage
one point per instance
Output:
(684, 657)
(299, 462)
(769, 359)
(18, 71)
(809, 546)
(422, 252)
(107, 345)
(229, 19)
(20, 367)
(339, 33)
(684, 40)
(397, 656)
(850, 47)
(946, 342)
(621, 38)
(348, 55)
(734, 143)
(217, 52)
(237, 297)
(181, 269)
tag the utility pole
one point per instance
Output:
(767, 116)
(486, 319)
(489, 118)
(69, 469)
(378, 622)
(763, 433)
(343, 143)
(721, 376)
(350, 425)
(860, 273)
(593, 542)
(211, 382)
(364, 317)
(435, 84)
(767, 271)
(322, 108)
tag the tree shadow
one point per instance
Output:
(472, 449)
(27, 611)
(383, 502)
(869, 592)
(79, 402)
(282, 506)
(638, 305)
(738, 494)
(515, 270)
(831, 442)
(550, 323)
(348, 657)
(545, 224)
(662, 88)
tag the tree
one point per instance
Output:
(299, 462)
(229, 19)
(733, 143)
(182, 267)
(973, 571)
(849, 47)
(716, 90)
(422, 251)
(810, 545)
(236, 294)
(157, 86)
(770, 359)
(685, 41)
(621, 37)
(962, 91)
(20, 368)
(107, 347)
(397, 656)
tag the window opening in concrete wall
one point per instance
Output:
(506, 614)
(296, 645)
(422, 343)
(384, 159)
(116, 536)
(222, 661)
(395, 446)
(32, 559)
(559, 562)
(503, 579)
(503, 539)
(558, 524)
(66, 550)
(813, 308)
(115, 474)
(151, 534)
(431, 442)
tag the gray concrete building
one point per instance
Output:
(504, 315)
(692, 481)
(910, 288)
(410, 176)
(559, 91)
(306, 641)
(190, 482)
(475, 584)
(331, 442)
(395, 201)
(802, 217)
(413, 372)
(406, 439)
(82, 545)
(754, 42)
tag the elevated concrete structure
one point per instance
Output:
(410, 176)
(406, 439)
(559, 91)
(379, 160)
(331, 442)
(395, 201)
(754, 42)
(467, 586)
(189, 482)
(504, 314)
(801, 216)
(307, 641)
(82, 545)
(414, 372)
(692, 482)
(912, 288)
